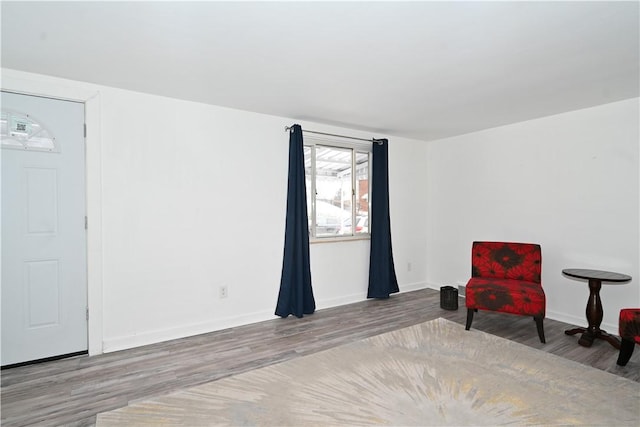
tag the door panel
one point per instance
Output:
(44, 279)
(42, 293)
(41, 199)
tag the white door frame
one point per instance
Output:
(38, 85)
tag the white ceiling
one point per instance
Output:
(422, 70)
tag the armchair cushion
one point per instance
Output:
(506, 295)
(629, 324)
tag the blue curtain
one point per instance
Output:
(382, 273)
(296, 295)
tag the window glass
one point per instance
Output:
(19, 131)
(362, 193)
(333, 189)
(337, 180)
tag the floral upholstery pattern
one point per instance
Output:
(629, 329)
(629, 324)
(506, 277)
(517, 261)
(506, 295)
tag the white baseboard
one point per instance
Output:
(580, 321)
(343, 300)
(350, 299)
(152, 337)
(409, 287)
(554, 315)
(437, 286)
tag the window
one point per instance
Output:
(337, 180)
(19, 131)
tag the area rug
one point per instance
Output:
(431, 374)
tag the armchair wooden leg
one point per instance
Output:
(540, 326)
(469, 317)
(626, 350)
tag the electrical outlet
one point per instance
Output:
(408, 266)
(462, 290)
(224, 292)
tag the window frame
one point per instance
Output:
(356, 148)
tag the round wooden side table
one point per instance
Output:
(594, 304)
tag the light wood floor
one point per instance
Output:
(73, 391)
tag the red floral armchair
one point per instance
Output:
(629, 328)
(506, 277)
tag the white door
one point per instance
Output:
(44, 277)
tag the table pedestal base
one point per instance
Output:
(594, 305)
(589, 336)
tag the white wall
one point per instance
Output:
(569, 182)
(185, 197)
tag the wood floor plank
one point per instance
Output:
(72, 391)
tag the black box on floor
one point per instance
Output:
(448, 298)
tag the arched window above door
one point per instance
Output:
(22, 132)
